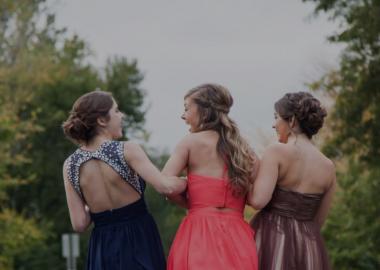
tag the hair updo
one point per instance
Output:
(214, 103)
(81, 125)
(306, 109)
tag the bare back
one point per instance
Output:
(198, 154)
(296, 166)
(203, 157)
(102, 178)
(303, 168)
(103, 188)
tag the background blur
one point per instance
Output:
(148, 54)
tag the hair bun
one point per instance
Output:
(75, 128)
(310, 114)
(81, 125)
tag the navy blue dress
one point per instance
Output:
(124, 238)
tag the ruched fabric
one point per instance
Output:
(287, 237)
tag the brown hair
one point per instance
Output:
(81, 125)
(214, 103)
(306, 109)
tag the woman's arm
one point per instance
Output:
(79, 212)
(139, 161)
(255, 172)
(326, 201)
(175, 165)
(266, 179)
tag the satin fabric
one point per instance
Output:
(287, 237)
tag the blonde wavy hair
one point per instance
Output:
(213, 103)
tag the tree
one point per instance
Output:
(42, 73)
(21, 242)
(167, 215)
(21, 236)
(353, 229)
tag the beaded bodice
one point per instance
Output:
(110, 152)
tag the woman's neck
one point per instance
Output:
(301, 137)
(96, 142)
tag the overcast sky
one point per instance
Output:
(258, 49)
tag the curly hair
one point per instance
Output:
(214, 102)
(306, 109)
(81, 125)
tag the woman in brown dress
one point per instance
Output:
(293, 189)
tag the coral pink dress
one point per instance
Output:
(209, 238)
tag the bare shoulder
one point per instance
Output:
(66, 162)
(196, 135)
(65, 166)
(188, 140)
(329, 168)
(276, 149)
(132, 151)
(203, 137)
(65, 170)
(131, 147)
(278, 152)
(193, 140)
(328, 164)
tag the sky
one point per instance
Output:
(259, 50)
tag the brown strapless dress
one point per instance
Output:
(287, 236)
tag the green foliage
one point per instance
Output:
(353, 229)
(42, 73)
(168, 216)
(123, 79)
(20, 239)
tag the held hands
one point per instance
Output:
(181, 197)
(179, 185)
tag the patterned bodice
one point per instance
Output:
(110, 152)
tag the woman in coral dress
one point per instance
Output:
(220, 168)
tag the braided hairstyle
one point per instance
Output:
(213, 103)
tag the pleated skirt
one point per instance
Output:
(209, 239)
(285, 243)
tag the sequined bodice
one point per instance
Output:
(205, 191)
(110, 152)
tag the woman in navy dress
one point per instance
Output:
(104, 184)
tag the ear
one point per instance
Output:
(293, 122)
(101, 121)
